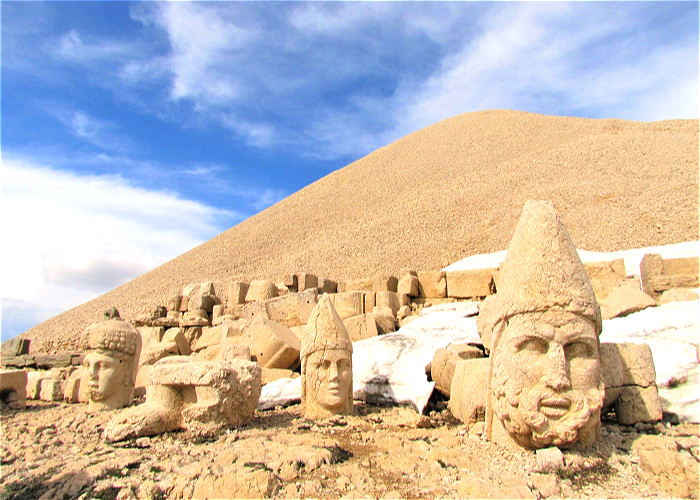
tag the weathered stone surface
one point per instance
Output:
(388, 299)
(284, 310)
(466, 351)
(34, 379)
(403, 312)
(659, 275)
(272, 345)
(347, 304)
(48, 361)
(51, 389)
(238, 481)
(173, 304)
(470, 283)
(605, 276)
(171, 320)
(272, 374)
(468, 389)
(385, 284)
(13, 388)
(307, 301)
(360, 285)
(660, 463)
(326, 364)
(237, 291)
(198, 317)
(306, 281)
(176, 335)
(362, 326)
(202, 397)
(200, 296)
(550, 459)
(386, 323)
(260, 291)
(638, 404)
(546, 389)
(216, 312)
(637, 363)
(370, 301)
(326, 285)
(15, 347)
(154, 352)
(409, 285)
(113, 350)
(676, 295)
(229, 350)
(75, 391)
(150, 334)
(442, 369)
(624, 300)
(432, 284)
(211, 336)
(612, 369)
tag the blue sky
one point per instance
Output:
(131, 132)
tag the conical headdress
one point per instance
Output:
(541, 271)
(325, 330)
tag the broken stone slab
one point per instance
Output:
(211, 336)
(51, 389)
(15, 347)
(76, 387)
(260, 291)
(362, 326)
(442, 369)
(677, 295)
(660, 463)
(237, 291)
(216, 312)
(24, 361)
(202, 397)
(605, 276)
(176, 335)
(624, 300)
(34, 379)
(550, 459)
(469, 284)
(285, 310)
(386, 323)
(272, 345)
(347, 304)
(370, 301)
(389, 300)
(385, 284)
(306, 281)
(432, 284)
(13, 388)
(198, 317)
(659, 275)
(468, 389)
(409, 285)
(638, 404)
(150, 334)
(326, 285)
(48, 361)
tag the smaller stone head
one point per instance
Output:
(326, 364)
(113, 348)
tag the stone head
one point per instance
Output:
(113, 348)
(326, 364)
(542, 327)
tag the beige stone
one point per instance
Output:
(200, 296)
(546, 387)
(408, 285)
(211, 336)
(260, 291)
(306, 281)
(272, 345)
(624, 300)
(174, 303)
(660, 463)
(550, 459)
(432, 284)
(360, 285)
(13, 388)
(74, 392)
(469, 284)
(284, 310)
(326, 364)
(638, 404)
(347, 304)
(113, 349)
(177, 336)
(217, 312)
(229, 350)
(34, 379)
(468, 389)
(466, 351)
(198, 317)
(307, 301)
(51, 389)
(272, 374)
(370, 299)
(326, 285)
(238, 481)
(385, 284)
(237, 291)
(150, 334)
(612, 369)
(677, 295)
(202, 397)
(362, 326)
(171, 320)
(659, 275)
(605, 276)
(386, 323)
(226, 318)
(442, 369)
(403, 312)
(390, 300)
(637, 363)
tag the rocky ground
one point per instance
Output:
(56, 450)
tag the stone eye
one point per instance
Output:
(578, 350)
(533, 345)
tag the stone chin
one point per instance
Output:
(543, 417)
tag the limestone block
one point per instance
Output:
(291, 282)
(403, 312)
(360, 327)
(612, 369)
(605, 276)
(74, 391)
(677, 295)
(466, 351)
(360, 285)
(638, 364)
(154, 352)
(682, 265)
(661, 465)
(659, 274)
(192, 333)
(390, 300)
(550, 459)
(272, 374)
(307, 301)
(13, 388)
(183, 304)
(174, 303)
(34, 379)
(432, 284)
(306, 281)
(48, 361)
(171, 320)
(404, 300)
(252, 310)
(348, 304)
(15, 347)
(237, 481)
(202, 397)
(624, 300)
(198, 317)
(272, 345)
(442, 369)
(385, 284)
(211, 336)
(638, 404)
(468, 389)
(370, 301)
(237, 291)
(200, 296)
(150, 334)
(470, 283)
(176, 335)
(51, 389)
(326, 285)
(408, 285)
(225, 318)
(386, 322)
(229, 350)
(260, 291)
(216, 312)
(284, 310)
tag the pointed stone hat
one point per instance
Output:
(325, 330)
(541, 271)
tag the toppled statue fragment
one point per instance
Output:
(326, 364)
(113, 347)
(201, 397)
(541, 328)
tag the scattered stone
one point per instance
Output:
(409, 285)
(550, 459)
(676, 474)
(272, 345)
(361, 327)
(625, 300)
(677, 295)
(468, 390)
(260, 291)
(432, 284)
(13, 388)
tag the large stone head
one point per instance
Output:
(542, 328)
(113, 348)
(326, 364)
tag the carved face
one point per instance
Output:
(107, 376)
(547, 383)
(329, 382)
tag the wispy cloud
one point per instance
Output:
(100, 133)
(84, 235)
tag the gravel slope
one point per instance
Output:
(453, 189)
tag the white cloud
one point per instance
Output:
(71, 237)
(97, 132)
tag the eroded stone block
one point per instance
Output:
(13, 388)
(432, 284)
(272, 345)
(361, 327)
(470, 283)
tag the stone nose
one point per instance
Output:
(557, 376)
(92, 370)
(333, 372)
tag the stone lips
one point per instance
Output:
(459, 186)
